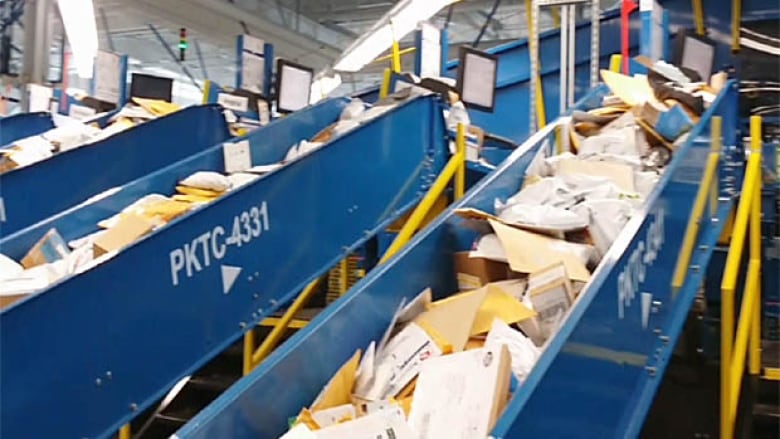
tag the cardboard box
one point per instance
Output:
(129, 228)
(551, 294)
(461, 395)
(6, 301)
(48, 249)
(476, 272)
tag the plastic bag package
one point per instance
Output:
(213, 181)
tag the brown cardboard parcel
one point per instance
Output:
(476, 272)
(125, 232)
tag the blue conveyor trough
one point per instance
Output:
(23, 125)
(95, 349)
(35, 192)
(597, 375)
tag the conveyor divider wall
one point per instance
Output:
(602, 368)
(33, 193)
(23, 125)
(97, 348)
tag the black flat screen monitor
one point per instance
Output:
(293, 86)
(476, 83)
(151, 87)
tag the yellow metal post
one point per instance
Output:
(556, 16)
(206, 90)
(736, 18)
(541, 114)
(124, 432)
(268, 345)
(344, 278)
(736, 366)
(396, 52)
(698, 16)
(728, 285)
(249, 349)
(460, 176)
(615, 61)
(389, 57)
(384, 90)
(420, 212)
(755, 250)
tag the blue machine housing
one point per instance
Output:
(602, 367)
(23, 125)
(97, 347)
(33, 193)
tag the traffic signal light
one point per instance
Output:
(182, 43)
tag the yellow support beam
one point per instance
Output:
(692, 229)
(206, 91)
(736, 19)
(460, 175)
(389, 57)
(771, 373)
(293, 324)
(420, 212)
(269, 343)
(124, 432)
(733, 353)
(541, 113)
(384, 90)
(698, 16)
(755, 251)
(249, 348)
(615, 61)
(396, 52)
(736, 366)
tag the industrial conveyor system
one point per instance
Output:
(95, 349)
(602, 367)
(35, 192)
(23, 125)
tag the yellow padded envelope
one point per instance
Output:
(528, 252)
(338, 391)
(499, 304)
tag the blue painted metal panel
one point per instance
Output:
(511, 116)
(149, 320)
(35, 192)
(593, 372)
(23, 125)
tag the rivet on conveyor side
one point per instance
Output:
(714, 220)
(656, 306)
(133, 406)
(650, 370)
(255, 296)
(109, 375)
(657, 331)
(272, 302)
(242, 325)
(704, 247)
(695, 268)
(254, 315)
(98, 382)
(664, 338)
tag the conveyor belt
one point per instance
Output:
(600, 370)
(97, 348)
(33, 193)
(23, 125)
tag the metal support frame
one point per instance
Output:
(736, 18)
(37, 41)
(455, 168)
(698, 17)
(568, 49)
(174, 57)
(709, 186)
(748, 334)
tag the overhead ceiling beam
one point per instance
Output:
(219, 21)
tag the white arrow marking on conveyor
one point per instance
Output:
(647, 299)
(229, 276)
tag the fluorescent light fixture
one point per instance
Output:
(78, 17)
(398, 22)
(322, 86)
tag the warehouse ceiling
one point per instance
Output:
(311, 32)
